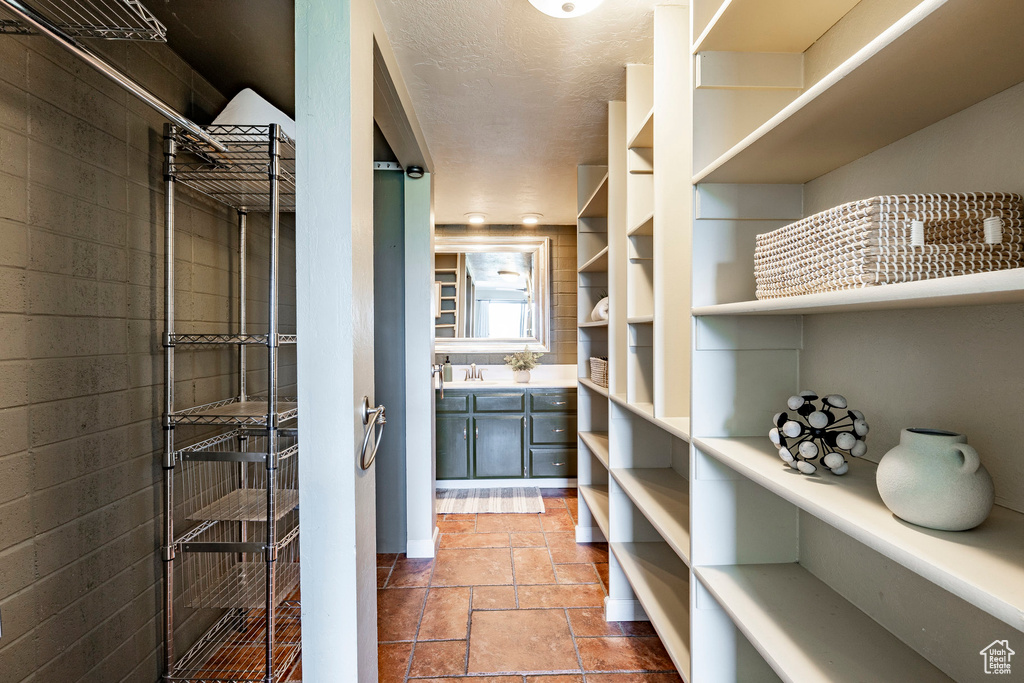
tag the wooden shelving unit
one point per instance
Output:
(596, 498)
(597, 442)
(664, 499)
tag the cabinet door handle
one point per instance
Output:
(464, 433)
(476, 432)
(558, 464)
(558, 431)
(558, 403)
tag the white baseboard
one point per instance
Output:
(624, 610)
(591, 534)
(423, 548)
(505, 483)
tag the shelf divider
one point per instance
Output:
(664, 499)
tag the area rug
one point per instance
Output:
(508, 500)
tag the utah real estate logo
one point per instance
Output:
(997, 657)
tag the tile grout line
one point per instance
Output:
(419, 622)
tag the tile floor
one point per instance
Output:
(510, 599)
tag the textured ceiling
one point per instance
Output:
(511, 100)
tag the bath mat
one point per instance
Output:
(506, 500)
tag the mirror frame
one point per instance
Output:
(540, 247)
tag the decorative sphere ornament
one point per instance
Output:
(824, 435)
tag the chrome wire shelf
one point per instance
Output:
(225, 339)
(219, 580)
(107, 19)
(239, 178)
(232, 650)
(224, 478)
(231, 411)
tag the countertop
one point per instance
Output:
(477, 385)
(499, 377)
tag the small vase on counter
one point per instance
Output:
(935, 480)
(521, 376)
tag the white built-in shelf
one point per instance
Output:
(596, 498)
(644, 138)
(597, 264)
(984, 566)
(597, 204)
(770, 25)
(922, 61)
(641, 319)
(597, 442)
(593, 386)
(1000, 287)
(806, 631)
(594, 323)
(644, 227)
(663, 496)
(677, 426)
(661, 583)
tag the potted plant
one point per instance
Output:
(521, 363)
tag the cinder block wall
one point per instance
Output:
(563, 288)
(81, 378)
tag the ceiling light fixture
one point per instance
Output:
(509, 274)
(531, 218)
(476, 218)
(565, 9)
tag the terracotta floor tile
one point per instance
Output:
(507, 522)
(410, 573)
(590, 622)
(528, 540)
(558, 493)
(386, 559)
(576, 573)
(494, 597)
(457, 527)
(589, 595)
(584, 552)
(398, 613)
(473, 567)
(554, 503)
(382, 576)
(459, 517)
(557, 678)
(602, 571)
(623, 654)
(446, 615)
(393, 662)
(532, 566)
(637, 628)
(439, 658)
(558, 520)
(474, 679)
(635, 678)
(521, 641)
(491, 540)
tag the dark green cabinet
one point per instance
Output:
(506, 433)
(453, 447)
(498, 446)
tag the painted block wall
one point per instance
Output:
(563, 288)
(81, 311)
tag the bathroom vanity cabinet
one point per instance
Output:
(506, 433)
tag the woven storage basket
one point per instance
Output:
(599, 371)
(868, 243)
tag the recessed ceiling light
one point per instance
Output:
(531, 218)
(565, 9)
(476, 218)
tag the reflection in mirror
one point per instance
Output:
(491, 294)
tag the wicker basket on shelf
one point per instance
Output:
(889, 239)
(599, 371)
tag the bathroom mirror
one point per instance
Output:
(491, 294)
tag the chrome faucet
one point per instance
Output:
(473, 373)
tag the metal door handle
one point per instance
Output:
(476, 432)
(558, 403)
(558, 464)
(558, 431)
(372, 416)
(439, 371)
(464, 435)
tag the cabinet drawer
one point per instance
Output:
(552, 462)
(499, 402)
(453, 403)
(554, 402)
(553, 429)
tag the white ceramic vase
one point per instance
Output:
(935, 480)
(521, 376)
